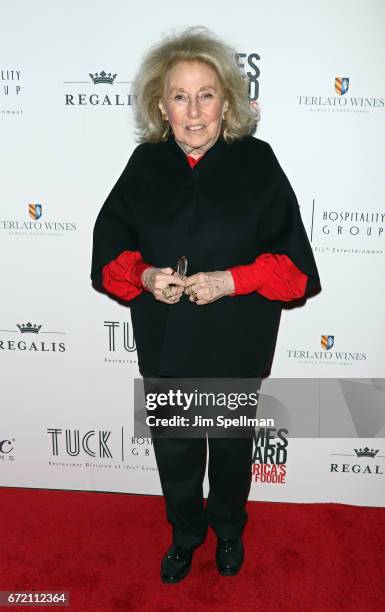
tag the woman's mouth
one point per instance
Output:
(195, 128)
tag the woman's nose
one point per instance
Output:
(193, 109)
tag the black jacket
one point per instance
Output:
(234, 205)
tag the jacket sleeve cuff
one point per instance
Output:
(241, 286)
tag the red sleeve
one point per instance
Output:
(274, 276)
(122, 276)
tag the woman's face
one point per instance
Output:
(193, 104)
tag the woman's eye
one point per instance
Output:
(179, 97)
(208, 95)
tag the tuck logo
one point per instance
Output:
(93, 442)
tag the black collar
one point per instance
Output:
(212, 155)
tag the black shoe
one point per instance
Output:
(229, 556)
(176, 563)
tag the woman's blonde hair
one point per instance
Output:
(196, 43)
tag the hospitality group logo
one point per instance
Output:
(34, 339)
(343, 101)
(359, 231)
(11, 92)
(36, 224)
(367, 460)
(325, 355)
(99, 88)
(270, 455)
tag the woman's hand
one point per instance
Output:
(209, 286)
(157, 279)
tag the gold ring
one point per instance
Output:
(194, 295)
(167, 292)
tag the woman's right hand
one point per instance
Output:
(156, 279)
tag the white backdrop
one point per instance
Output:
(65, 140)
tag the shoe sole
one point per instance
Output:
(179, 578)
(228, 572)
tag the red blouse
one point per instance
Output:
(274, 276)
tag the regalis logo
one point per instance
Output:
(103, 97)
(43, 346)
(366, 452)
(28, 328)
(350, 466)
(103, 77)
(325, 355)
(341, 102)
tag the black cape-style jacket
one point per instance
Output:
(234, 205)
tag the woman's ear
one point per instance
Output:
(162, 109)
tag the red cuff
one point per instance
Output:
(122, 276)
(274, 276)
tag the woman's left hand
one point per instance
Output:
(205, 287)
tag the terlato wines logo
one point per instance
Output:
(37, 226)
(341, 102)
(325, 356)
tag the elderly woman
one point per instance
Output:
(200, 185)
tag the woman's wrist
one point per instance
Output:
(229, 283)
(145, 277)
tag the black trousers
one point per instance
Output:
(182, 464)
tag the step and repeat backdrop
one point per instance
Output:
(68, 355)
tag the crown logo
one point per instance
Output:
(103, 77)
(366, 452)
(28, 328)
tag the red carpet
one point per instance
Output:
(105, 548)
